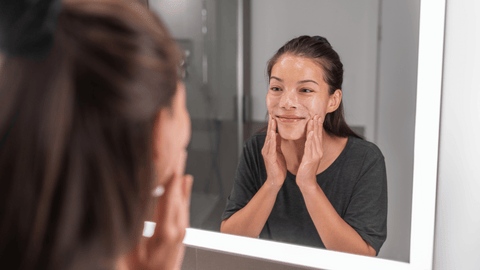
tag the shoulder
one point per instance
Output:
(364, 148)
(256, 141)
(251, 158)
(366, 162)
(363, 155)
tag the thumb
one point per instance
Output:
(187, 191)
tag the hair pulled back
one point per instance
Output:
(76, 168)
(319, 50)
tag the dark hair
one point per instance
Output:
(319, 49)
(76, 168)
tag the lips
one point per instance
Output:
(290, 118)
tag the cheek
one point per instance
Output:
(272, 102)
(187, 130)
(180, 137)
(269, 103)
(315, 105)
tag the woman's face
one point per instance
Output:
(297, 92)
(172, 135)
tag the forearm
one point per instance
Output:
(250, 220)
(335, 233)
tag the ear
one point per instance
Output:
(334, 101)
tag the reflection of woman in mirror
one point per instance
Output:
(92, 118)
(309, 179)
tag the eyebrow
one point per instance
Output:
(307, 81)
(300, 82)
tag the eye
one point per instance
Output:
(275, 89)
(305, 90)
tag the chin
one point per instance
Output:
(291, 134)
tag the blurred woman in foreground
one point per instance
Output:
(89, 127)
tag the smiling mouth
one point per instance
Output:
(289, 118)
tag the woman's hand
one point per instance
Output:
(272, 155)
(165, 249)
(312, 155)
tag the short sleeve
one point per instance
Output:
(367, 209)
(246, 181)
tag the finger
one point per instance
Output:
(266, 145)
(274, 125)
(172, 189)
(179, 203)
(165, 209)
(269, 126)
(273, 137)
(309, 145)
(162, 215)
(316, 146)
(188, 183)
(319, 127)
(177, 211)
(315, 135)
(320, 135)
(309, 125)
(278, 143)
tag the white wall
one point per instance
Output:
(457, 231)
(351, 28)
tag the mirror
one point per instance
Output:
(418, 236)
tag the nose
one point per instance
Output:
(289, 100)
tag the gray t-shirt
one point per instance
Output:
(355, 184)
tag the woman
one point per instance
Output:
(92, 119)
(309, 179)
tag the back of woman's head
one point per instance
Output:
(76, 137)
(319, 50)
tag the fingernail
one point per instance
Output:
(148, 228)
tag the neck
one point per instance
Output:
(293, 150)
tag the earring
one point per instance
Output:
(158, 191)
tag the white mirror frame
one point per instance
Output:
(427, 124)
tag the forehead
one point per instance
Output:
(297, 68)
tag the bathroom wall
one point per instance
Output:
(457, 234)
